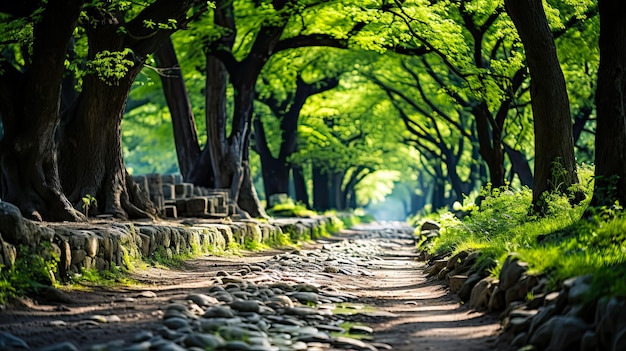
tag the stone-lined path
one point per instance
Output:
(360, 290)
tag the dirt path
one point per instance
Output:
(405, 310)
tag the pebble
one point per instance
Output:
(274, 305)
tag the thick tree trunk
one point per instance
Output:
(183, 123)
(610, 183)
(91, 157)
(29, 105)
(555, 164)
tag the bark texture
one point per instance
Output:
(555, 164)
(29, 105)
(610, 183)
(91, 160)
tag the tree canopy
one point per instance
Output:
(320, 100)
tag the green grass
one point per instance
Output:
(30, 271)
(563, 243)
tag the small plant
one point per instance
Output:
(89, 202)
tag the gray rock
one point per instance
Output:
(589, 341)
(147, 294)
(219, 311)
(497, 300)
(204, 341)
(559, 333)
(306, 297)
(236, 345)
(65, 346)
(361, 329)
(481, 293)
(300, 311)
(176, 323)
(349, 343)
(245, 305)
(466, 290)
(512, 270)
(619, 342)
(10, 341)
(202, 299)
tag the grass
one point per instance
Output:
(561, 244)
(30, 271)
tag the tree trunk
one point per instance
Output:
(183, 123)
(321, 198)
(91, 160)
(302, 196)
(520, 166)
(490, 144)
(29, 105)
(555, 164)
(610, 183)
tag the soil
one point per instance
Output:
(410, 311)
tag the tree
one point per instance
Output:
(29, 106)
(610, 172)
(555, 164)
(285, 100)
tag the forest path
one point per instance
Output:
(366, 276)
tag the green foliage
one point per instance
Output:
(560, 245)
(110, 66)
(111, 277)
(291, 209)
(30, 271)
(89, 202)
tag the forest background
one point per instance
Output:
(340, 102)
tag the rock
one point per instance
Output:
(543, 315)
(456, 282)
(497, 300)
(578, 288)
(512, 270)
(204, 341)
(619, 342)
(219, 311)
(349, 343)
(147, 294)
(519, 340)
(466, 290)
(306, 297)
(610, 319)
(559, 333)
(245, 305)
(442, 273)
(430, 225)
(589, 342)
(236, 345)
(437, 266)
(202, 299)
(176, 323)
(10, 341)
(361, 329)
(456, 260)
(519, 291)
(66, 346)
(481, 293)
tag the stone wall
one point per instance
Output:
(533, 316)
(101, 243)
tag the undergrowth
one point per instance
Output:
(564, 242)
(29, 272)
